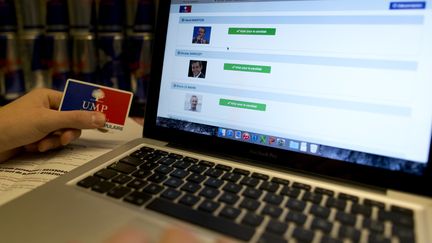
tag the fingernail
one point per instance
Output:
(98, 119)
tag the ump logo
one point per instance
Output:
(98, 94)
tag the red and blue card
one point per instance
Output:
(114, 103)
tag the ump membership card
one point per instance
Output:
(114, 103)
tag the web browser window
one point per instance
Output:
(353, 75)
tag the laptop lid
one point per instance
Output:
(339, 89)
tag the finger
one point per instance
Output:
(33, 147)
(178, 235)
(58, 120)
(49, 142)
(54, 98)
(69, 135)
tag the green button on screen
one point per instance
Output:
(247, 68)
(242, 104)
(252, 31)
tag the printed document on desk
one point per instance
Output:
(28, 171)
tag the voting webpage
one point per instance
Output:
(352, 74)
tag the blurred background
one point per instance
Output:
(106, 42)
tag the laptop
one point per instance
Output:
(267, 121)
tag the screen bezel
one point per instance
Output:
(270, 157)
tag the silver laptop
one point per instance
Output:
(267, 121)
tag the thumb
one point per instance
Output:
(56, 120)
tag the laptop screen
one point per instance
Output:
(346, 80)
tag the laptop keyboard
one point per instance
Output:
(248, 205)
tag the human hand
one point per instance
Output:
(33, 123)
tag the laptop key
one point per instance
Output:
(231, 177)
(336, 203)
(167, 161)
(179, 173)
(373, 225)
(290, 192)
(401, 210)
(182, 164)
(149, 166)
(119, 192)
(173, 182)
(241, 171)
(260, 176)
(208, 206)
(170, 194)
(272, 211)
(404, 234)
(280, 181)
(197, 178)
(89, 181)
(153, 188)
(271, 238)
(350, 233)
(345, 218)
(396, 218)
(296, 217)
(191, 187)
(137, 198)
(206, 163)
(230, 212)
(137, 184)
(252, 219)
(373, 203)
(163, 169)
(301, 186)
(106, 174)
(348, 197)
(324, 191)
(361, 209)
(231, 187)
(103, 186)
(252, 193)
(146, 149)
(123, 168)
(250, 204)
(312, 197)
(189, 200)
(160, 152)
(328, 239)
(213, 182)
(295, 204)
(321, 224)
(319, 211)
(250, 181)
(219, 224)
(229, 198)
(213, 172)
(190, 160)
(142, 173)
(223, 167)
(157, 178)
(121, 179)
(375, 238)
(198, 168)
(132, 161)
(273, 198)
(175, 156)
(269, 186)
(303, 235)
(209, 192)
(277, 227)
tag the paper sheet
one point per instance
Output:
(28, 171)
